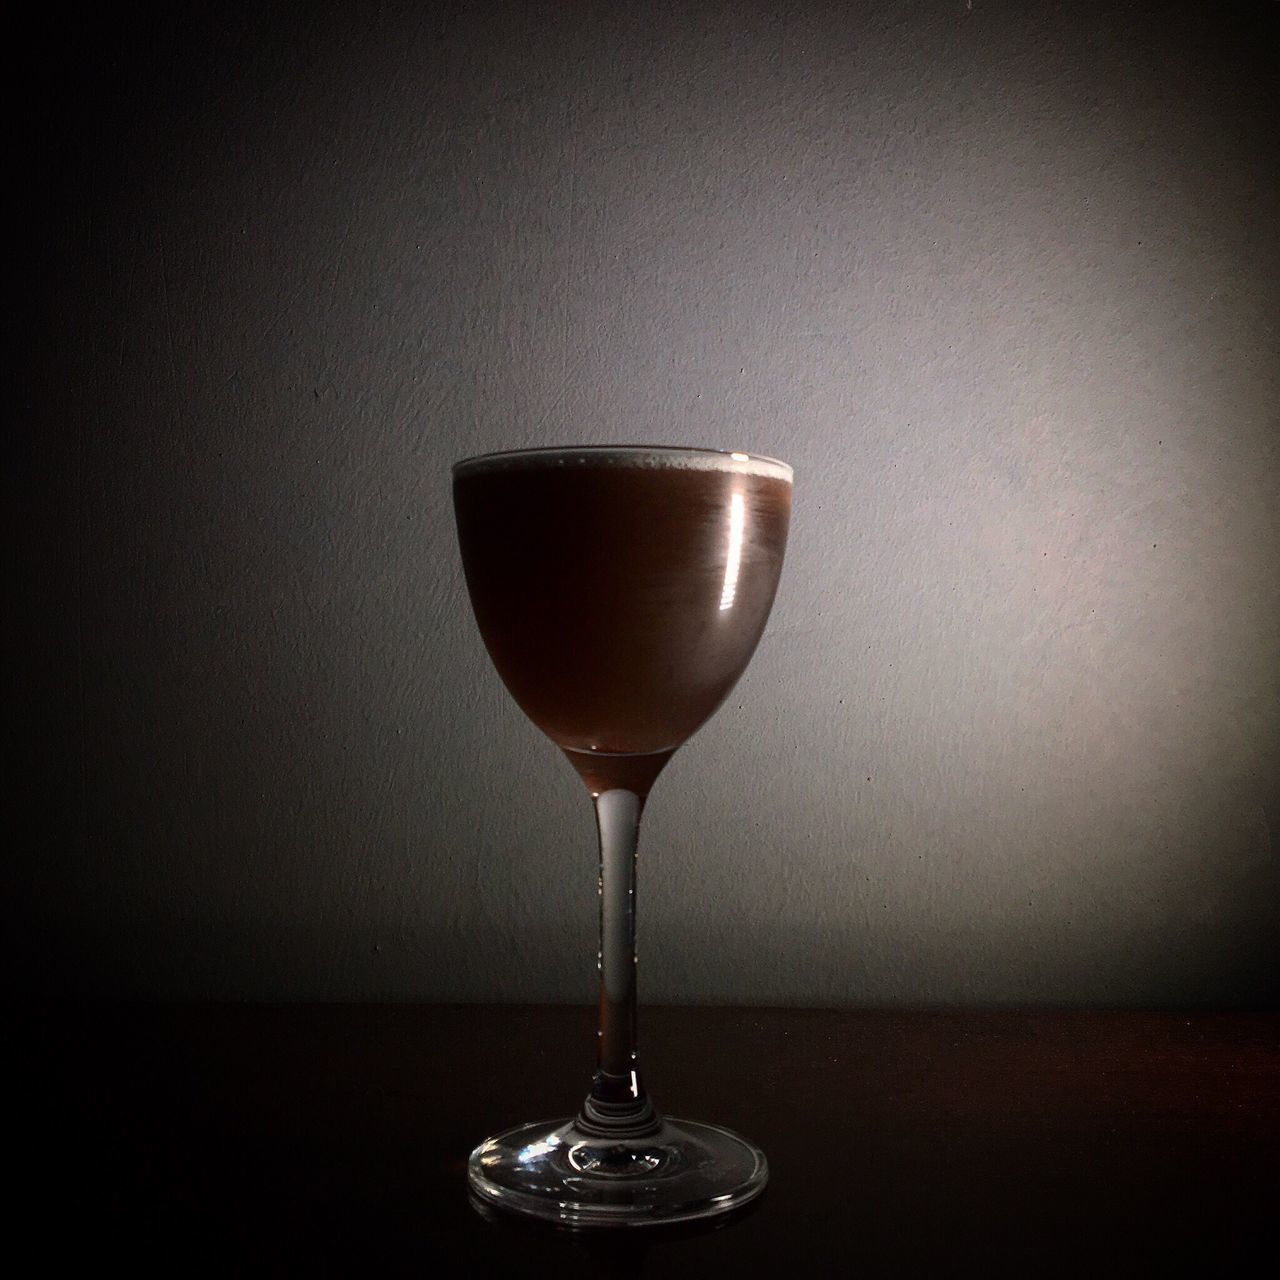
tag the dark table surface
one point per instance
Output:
(333, 1139)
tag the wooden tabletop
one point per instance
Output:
(332, 1139)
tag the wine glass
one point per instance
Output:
(620, 591)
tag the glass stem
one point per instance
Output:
(617, 1105)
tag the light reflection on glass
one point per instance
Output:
(737, 518)
(536, 1149)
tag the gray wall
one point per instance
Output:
(1000, 280)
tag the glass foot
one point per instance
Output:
(551, 1170)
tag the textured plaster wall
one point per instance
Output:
(1001, 280)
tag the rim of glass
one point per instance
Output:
(691, 456)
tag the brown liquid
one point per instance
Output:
(620, 602)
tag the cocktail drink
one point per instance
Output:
(620, 592)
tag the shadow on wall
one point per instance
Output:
(1000, 281)
(176, 955)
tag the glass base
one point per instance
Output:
(553, 1171)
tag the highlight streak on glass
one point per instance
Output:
(737, 518)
